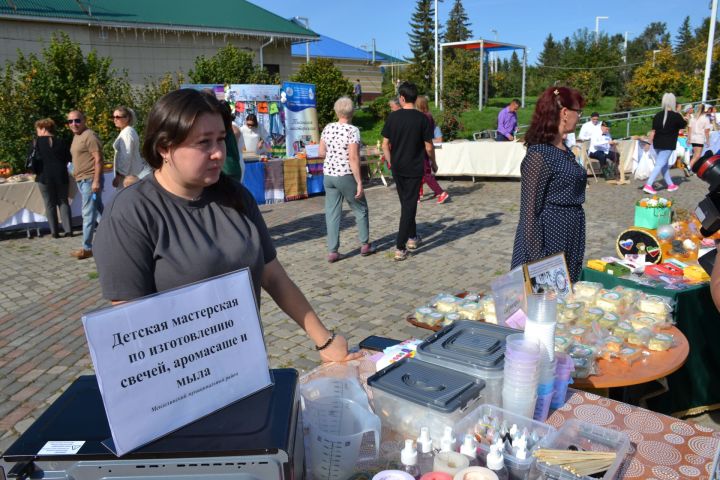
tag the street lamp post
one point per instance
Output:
(654, 52)
(493, 56)
(708, 55)
(597, 27)
(436, 54)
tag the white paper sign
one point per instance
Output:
(61, 447)
(166, 360)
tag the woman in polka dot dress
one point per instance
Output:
(340, 146)
(552, 188)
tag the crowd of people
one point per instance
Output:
(181, 213)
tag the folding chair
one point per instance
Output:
(586, 160)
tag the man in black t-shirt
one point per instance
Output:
(408, 133)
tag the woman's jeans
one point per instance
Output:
(337, 189)
(661, 166)
(92, 207)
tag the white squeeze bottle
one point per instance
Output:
(447, 442)
(469, 449)
(496, 462)
(409, 458)
(426, 456)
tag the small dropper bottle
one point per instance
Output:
(426, 455)
(469, 449)
(447, 442)
(409, 458)
(496, 461)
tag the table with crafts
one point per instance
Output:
(661, 447)
(693, 389)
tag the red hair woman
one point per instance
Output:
(552, 188)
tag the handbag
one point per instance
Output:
(34, 162)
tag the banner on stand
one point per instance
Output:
(301, 123)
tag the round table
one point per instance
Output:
(614, 373)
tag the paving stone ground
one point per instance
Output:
(466, 243)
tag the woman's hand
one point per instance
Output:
(337, 351)
(359, 192)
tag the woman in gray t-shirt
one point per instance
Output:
(188, 222)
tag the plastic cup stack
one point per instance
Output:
(521, 374)
(542, 318)
(545, 390)
(563, 377)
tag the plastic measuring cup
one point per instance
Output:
(342, 433)
(520, 348)
(330, 387)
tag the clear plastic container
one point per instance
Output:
(411, 394)
(518, 468)
(477, 349)
(584, 436)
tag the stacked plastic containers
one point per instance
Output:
(522, 372)
(342, 431)
(563, 378)
(475, 348)
(540, 328)
(411, 394)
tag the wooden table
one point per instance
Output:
(614, 373)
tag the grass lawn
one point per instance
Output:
(474, 120)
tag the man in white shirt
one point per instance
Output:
(600, 149)
(593, 125)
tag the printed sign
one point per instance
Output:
(169, 359)
(548, 274)
(301, 123)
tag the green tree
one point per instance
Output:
(330, 85)
(60, 79)
(422, 45)
(684, 42)
(230, 65)
(657, 75)
(148, 94)
(457, 28)
(654, 37)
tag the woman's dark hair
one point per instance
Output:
(545, 123)
(251, 117)
(168, 125)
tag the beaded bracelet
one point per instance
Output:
(326, 344)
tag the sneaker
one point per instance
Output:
(443, 196)
(81, 254)
(367, 249)
(412, 243)
(649, 189)
(400, 255)
(672, 188)
(333, 257)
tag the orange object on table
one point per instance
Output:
(614, 373)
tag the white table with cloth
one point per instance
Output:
(483, 158)
(22, 206)
(488, 158)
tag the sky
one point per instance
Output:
(523, 22)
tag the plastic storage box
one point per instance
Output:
(584, 436)
(411, 394)
(477, 349)
(518, 469)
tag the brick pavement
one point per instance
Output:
(466, 243)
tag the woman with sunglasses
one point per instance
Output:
(253, 135)
(552, 188)
(188, 221)
(128, 164)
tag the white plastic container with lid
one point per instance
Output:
(474, 348)
(411, 394)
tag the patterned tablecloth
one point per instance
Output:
(662, 447)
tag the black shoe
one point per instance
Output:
(55, 235)
(68, 234)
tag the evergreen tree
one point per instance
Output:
(457, 28)
(422, 45)
(684, 41)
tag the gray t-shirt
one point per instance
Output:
(150, 240)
